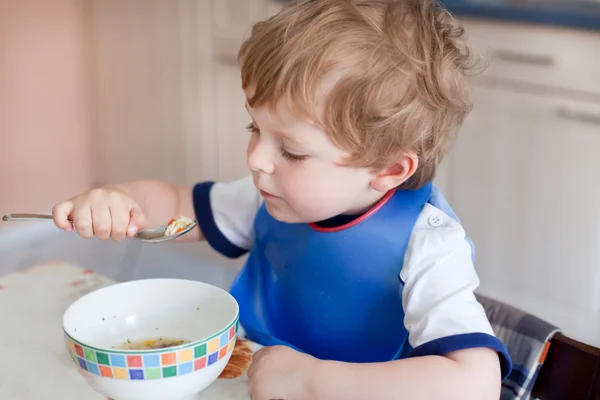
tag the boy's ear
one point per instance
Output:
(396, 174)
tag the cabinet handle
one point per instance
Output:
(228, 59)
(579, 116)
(523, 58)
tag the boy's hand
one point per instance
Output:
(105, 213)
(279, 372)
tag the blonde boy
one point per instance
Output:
(359, 279)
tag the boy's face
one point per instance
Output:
(300, 172)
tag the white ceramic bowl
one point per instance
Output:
(97, 324)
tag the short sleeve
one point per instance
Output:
(226, 212)
(442, 314)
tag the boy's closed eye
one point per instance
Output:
(284, 153)
(252, 128)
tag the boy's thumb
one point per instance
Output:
(137, 220)
(61, 214)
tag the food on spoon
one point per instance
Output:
(148, 344)
(177, 225)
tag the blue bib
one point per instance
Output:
(332, 293)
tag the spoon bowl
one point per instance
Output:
(151, 235)
(157, 235)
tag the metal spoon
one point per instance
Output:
(152, 235)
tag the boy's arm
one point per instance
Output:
(464, 374)
(161, 202)
(225, 211)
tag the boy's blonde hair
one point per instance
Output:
(401, 67)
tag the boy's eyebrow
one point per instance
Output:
(278, 133)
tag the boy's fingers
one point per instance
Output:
(120, 221)
(101, 223)
(137, 220)
(61, 213)
(83, 222)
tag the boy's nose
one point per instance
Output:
(260, 158)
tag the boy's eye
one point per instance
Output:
(252, 128)
(292, 157)
(286, 154)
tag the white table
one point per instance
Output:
(35, 364)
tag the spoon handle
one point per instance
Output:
(27, 217)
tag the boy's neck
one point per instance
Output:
(369, 200)
(350, 215)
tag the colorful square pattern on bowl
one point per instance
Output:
(147, 365)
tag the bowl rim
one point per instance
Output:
(233, 322)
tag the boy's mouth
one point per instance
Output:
(263, 193)
(267, 195)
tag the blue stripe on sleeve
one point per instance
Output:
(206, 220)
(445, 345)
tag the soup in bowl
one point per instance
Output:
(153, 338)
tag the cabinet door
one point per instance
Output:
(538, 54)
(145, 76)
(525, 184)
(273, 7)
(230, 115)
(231, 119)
(232, 22)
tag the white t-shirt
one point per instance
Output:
(441, 312)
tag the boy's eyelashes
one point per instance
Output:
(291, 157)
(252, 128)
(284, 153)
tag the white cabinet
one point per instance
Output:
(167, 97)
(567, 59)
(523, 178)
(141, 88)
(232, 118)
(233, 19)
(233, 23)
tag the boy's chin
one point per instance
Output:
(279, 214)
(289, 217)
(283, 214)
